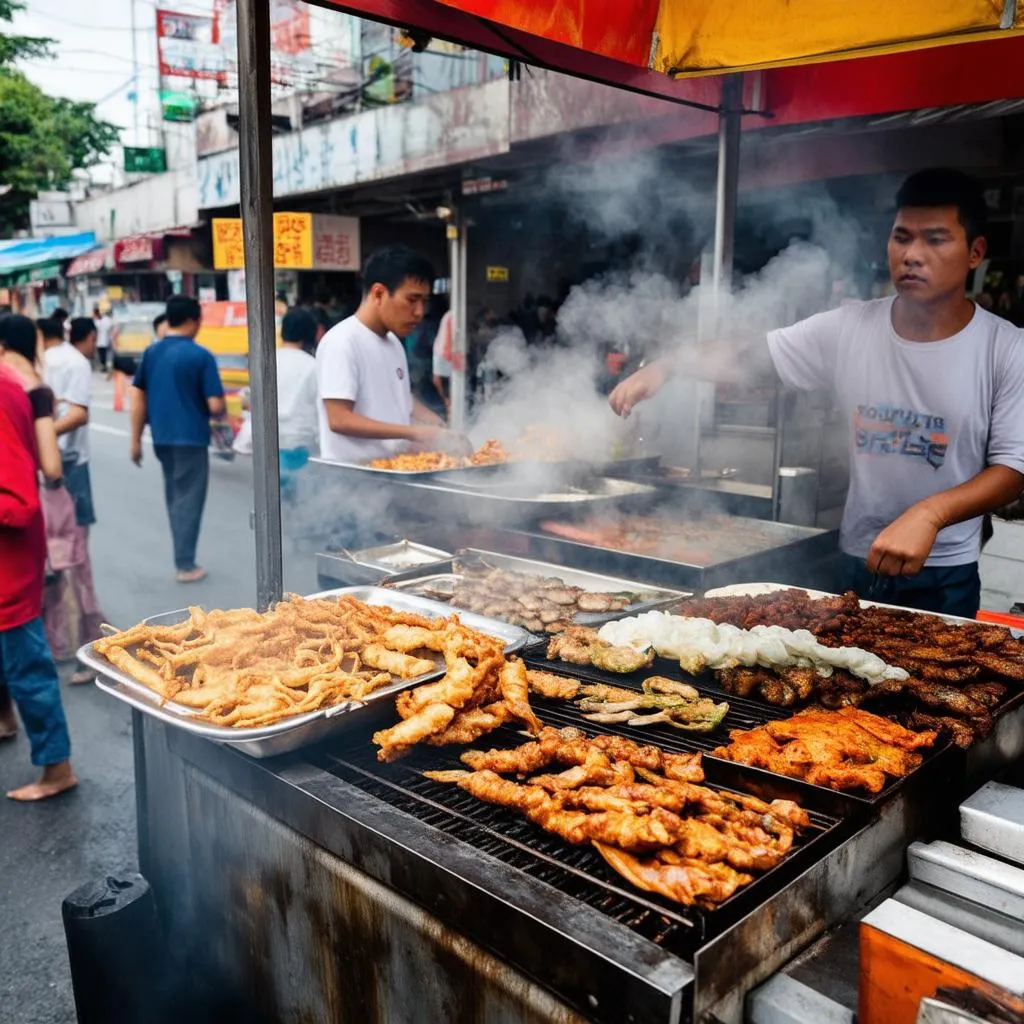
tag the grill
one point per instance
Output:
(744, 713)
(579, 871)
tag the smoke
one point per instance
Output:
(650, 226)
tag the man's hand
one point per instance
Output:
(643, 384)
(440, 438)
(902, 548)
(137, 453)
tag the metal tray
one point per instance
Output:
(654, 597)
(409, 475)
(301, 730)
(402, 556)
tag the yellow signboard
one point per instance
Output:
(497, 275)
(293, 242)
(228, 245)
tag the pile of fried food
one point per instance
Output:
(541, 604)
(481, 690)
(958, 672)
(660, 701)
(490, 453)
(641, 807)
(245, 669)
(847, 749)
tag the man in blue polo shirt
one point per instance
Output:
(177, 389)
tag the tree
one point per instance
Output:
(42, 138)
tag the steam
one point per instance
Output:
(650, 307)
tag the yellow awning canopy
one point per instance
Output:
(701, 36)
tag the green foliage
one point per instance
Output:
(42, 138)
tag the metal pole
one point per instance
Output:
(135, 79)
(457, 232)
(728, 180)
(255, 154)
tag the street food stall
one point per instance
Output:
(562, 754)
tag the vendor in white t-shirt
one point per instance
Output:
(366, 408)
(933, 387)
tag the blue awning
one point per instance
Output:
(23, 254)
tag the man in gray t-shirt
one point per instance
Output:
(933, 388)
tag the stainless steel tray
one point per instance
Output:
(654, 597)
(302, 730)
(409, 475)
(401, 556)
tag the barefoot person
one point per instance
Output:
(933, 387)
(27, 670)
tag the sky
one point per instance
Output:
(93, 47)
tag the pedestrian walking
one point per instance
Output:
(177, 390)
(67, 371)
(28, 674)
(297, 420)
(106, 334)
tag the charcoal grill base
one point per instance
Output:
(194, 849)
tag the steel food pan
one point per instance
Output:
(401, 556)
(406, 475)
(301, 730)
(595, 583)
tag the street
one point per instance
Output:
(49, 849)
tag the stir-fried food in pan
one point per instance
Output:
(488, 454)
(641, 807)
(847, 749)
(245, 669)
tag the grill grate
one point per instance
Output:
(579, 871)
(744, 713)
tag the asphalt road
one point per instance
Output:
(49, 849)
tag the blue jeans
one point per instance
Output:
(30, 675)
(946, 589)
(186, 475)
(292, 460)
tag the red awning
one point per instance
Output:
(90, 263)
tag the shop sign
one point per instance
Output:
(185, 46)
(481, 186)
(89, 263)
(335, 242)
(144, 160)
(44, 272)
(139, 249)
(228, 244)
(302, 241)
(497, 275)
(293, 241)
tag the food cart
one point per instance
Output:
(323, 884)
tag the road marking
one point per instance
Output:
(102, 428)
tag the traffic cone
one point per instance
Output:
(119, 389)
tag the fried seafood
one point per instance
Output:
(245, 670)
(480, 691)
(845, 749)
(547, 684)
(641, 807)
